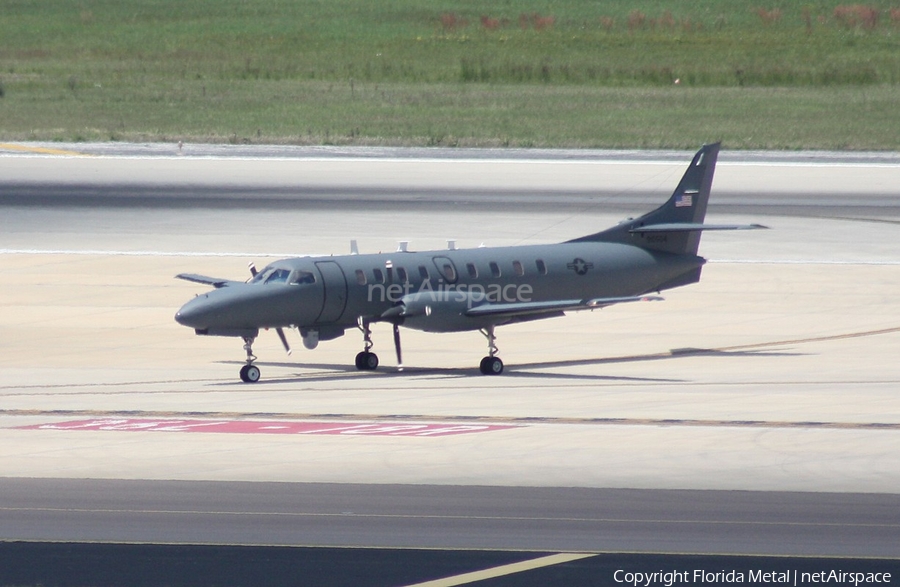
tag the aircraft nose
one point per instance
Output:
(193, 313)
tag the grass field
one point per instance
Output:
(573, 73)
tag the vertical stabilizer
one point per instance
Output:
(674, 227)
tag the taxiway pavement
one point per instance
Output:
(776, 373)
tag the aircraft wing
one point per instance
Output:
(213, 281)
(515, 309)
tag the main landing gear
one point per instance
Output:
(249, 372)
(366, 360)
(491, 365)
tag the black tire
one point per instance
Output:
(252, 374)
(366, 361)
(491, 366)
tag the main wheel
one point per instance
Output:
(366, 361)
(250, 373)
(491, 366)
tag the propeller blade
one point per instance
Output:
(252, 268)
(397, 346)
(284, 341)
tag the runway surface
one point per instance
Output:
(753, 413)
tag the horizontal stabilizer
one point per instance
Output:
(686, 227)
(213, 281)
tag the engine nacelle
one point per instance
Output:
(441, 311)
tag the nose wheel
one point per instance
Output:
(491, 365)
(249, 372)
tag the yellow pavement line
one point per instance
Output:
(544, 561)
(42, 150)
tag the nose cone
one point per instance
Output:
(195, 313)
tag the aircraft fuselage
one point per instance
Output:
(333, 293)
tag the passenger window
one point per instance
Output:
(360, 277)
(401, 273)
(541, 267)
(472, 269)
(517, 267)
(423, 272)
(495, 269)
(449, 272)
(379, 275)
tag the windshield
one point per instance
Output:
(280, 275)
(271, 275)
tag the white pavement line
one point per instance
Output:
(114, 253)
(146, 253)
(544, 561)
(799, 262)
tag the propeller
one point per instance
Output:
(397, 346)
(279, 330)
(283, 338)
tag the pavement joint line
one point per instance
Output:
(759, 523)
(382, 418)
(87, 388)
(801, 556)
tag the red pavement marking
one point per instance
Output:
(267, 427)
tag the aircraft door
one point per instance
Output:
(335, 291)
(446, 269)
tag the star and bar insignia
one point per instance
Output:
(579, 266)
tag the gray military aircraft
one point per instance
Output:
(463, 289)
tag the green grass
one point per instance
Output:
(601, 74)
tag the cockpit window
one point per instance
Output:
(262, 275)
(281, 275)
(301, 277)
(278, 276)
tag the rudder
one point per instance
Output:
(674, 227)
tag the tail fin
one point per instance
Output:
(675, 226)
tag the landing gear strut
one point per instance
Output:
(249, 372)
(491, 365)
(366, 360)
